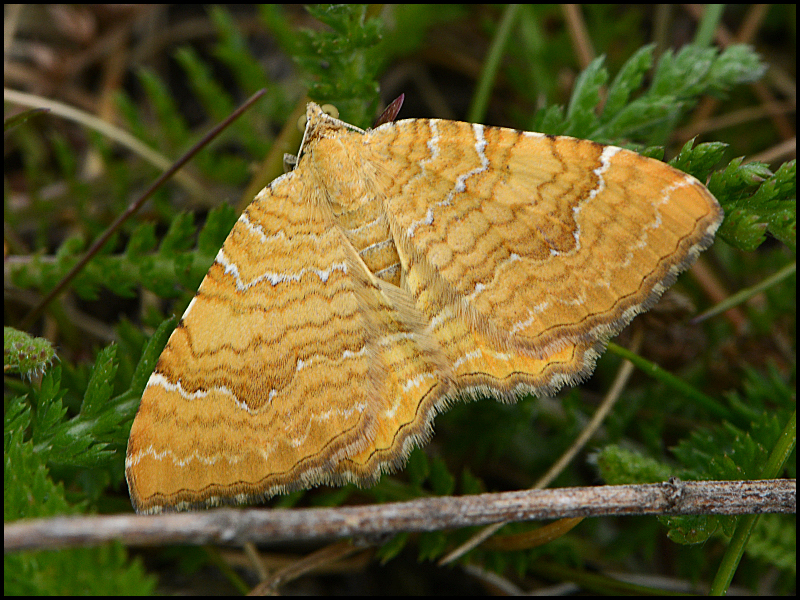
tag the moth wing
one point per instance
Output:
(545, 241)
(291, 358)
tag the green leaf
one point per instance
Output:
(772, 542)
(49, 410)
(153, 348)
(101, 383)
(628, 80)
(471, 484)
(700, 160)
(619, 466)
(142, 241)
(418, 468)
(585, 98)
(757, 202)
(29, 491)
(233, 50)
(392, 548)
(215, 99)
(170, 120)
(180, 236)
(432, 545)
(442, 482)
(677, 83)
(218, 225)
(736, 65)
(683, 74)
(338, 63)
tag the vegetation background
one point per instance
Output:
(166, 74)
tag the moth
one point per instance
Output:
(393, 272)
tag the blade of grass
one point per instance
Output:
(745, 294)
(677, 384)
(477, 110)
(105, 128)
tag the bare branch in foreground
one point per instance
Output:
(237, 526)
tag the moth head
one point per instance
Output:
(320, 121)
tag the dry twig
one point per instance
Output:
(237, 526)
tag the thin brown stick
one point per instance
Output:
(323, 556)
(579, 34)
(237, 526)
(620, 381)
(133, 208)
